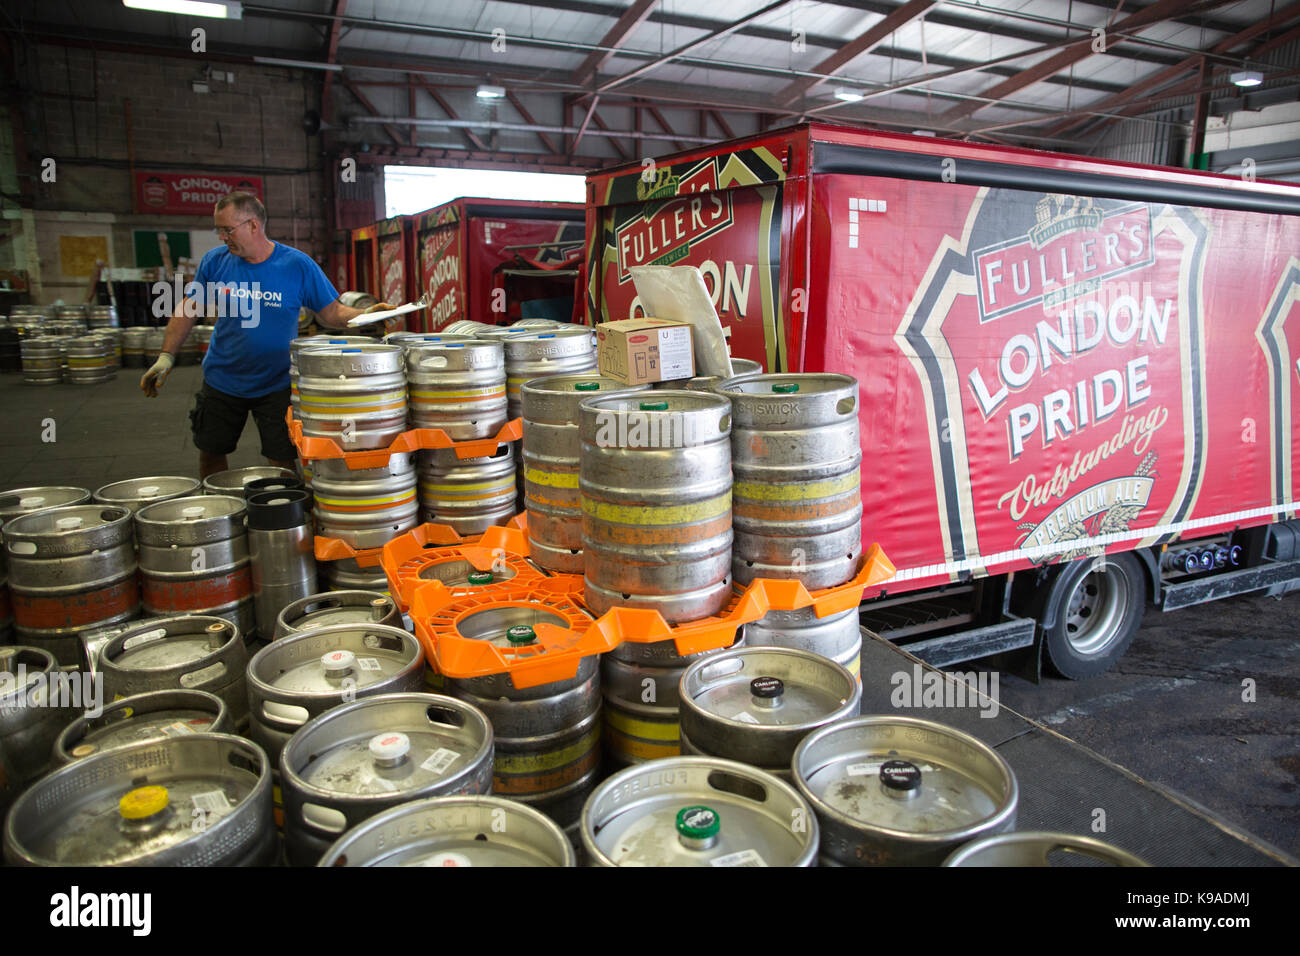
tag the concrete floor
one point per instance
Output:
(1172, 712)
(103, 433)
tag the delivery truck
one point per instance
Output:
(459, 246)
(1078, 396)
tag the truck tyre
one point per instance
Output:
(1098, 611)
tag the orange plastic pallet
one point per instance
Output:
(415, 439)
(405, 559)
(336, 549)
(555, 656)
(644, 626)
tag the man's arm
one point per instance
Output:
(336, 315)
(178, 330)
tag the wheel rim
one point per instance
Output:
(1096, 611)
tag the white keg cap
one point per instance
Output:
(193, 511)
(147, 490)
(35, 501)
(70, 523)
(338, 661)
(391, 746)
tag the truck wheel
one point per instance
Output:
(1098, 613)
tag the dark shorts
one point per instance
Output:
(218, 420)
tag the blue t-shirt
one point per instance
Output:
(257, 316)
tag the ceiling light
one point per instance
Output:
(1248, 78)
(486, 92)
(300, 64)
(847, 95)
(220, 9)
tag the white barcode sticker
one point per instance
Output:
(214, 801)
(177, 729)
(369, 663)
(743, 858)
(863, 769)
(745, 718)
(439, 760)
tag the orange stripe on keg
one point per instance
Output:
(78, 610)
(624, 745)
(546, 782)
(796, 511)
(656, 535)
(197, 595)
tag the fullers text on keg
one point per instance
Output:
(59, 689)
(77, 909)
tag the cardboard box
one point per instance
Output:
(638, 351)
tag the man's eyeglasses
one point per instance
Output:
(224, 232)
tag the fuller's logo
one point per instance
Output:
(1069, 252)
(663, 233)
(1077, 418)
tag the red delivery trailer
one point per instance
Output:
(1078, 391)
(460, 244)
(340, 260)
(395, 260)
(364, 268)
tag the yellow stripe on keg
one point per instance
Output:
(796, 491)
(356, 502)
(462, 393)
(645, 729)
(855, 667)
(551, 479)
(480, 486)
(658, 515)
(535, 763)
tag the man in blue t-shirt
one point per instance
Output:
(257, 287)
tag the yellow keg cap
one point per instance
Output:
(143, 802)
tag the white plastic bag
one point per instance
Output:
(678, 293)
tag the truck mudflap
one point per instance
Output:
(1010, 634)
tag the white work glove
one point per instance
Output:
(157, 375)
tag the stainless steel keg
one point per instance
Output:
(755, 704)
(551, 450)
(354, 395)
(796, 501)
(698, 811)
(366, 507)
(232, 482)
(655, 484)
(36, 701)
(469, 494)
(194, 559)
(1035, 848)
(134, 493)
(306, 673)
(149, 716)
(454, 831)
(457, 386)
(195, 800)
(368, 756)
(179, 653)
(535, 354)
(337, 607)
(899, 791)
(72, 569)
(280, 552)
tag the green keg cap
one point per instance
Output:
(654, 406)
(480, 577)
(586, 386)
(785, 388)
(698, 822)
(521, 634)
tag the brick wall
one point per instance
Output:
(78, 115)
